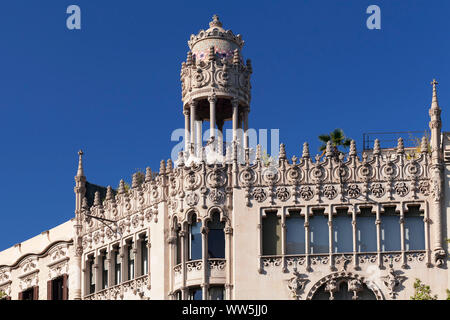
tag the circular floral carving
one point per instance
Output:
(390, 170)
(318, 173)
(341, 172)
(413, 168)
(401, 189)
(259, 194)
(216, 178)
(306, 192)
(366, 171)
(294, 174)
(354, 191)
(248, 177)
(424, 187)
(216, 196)
(330, 192)
(270, 175)
(377, 190)
(192, 199)
(192, 180)
(283, 193)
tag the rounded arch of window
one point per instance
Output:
(344, 276)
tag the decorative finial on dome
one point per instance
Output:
(215, 22)
(189, 60)
(80, 171)
(236, 57)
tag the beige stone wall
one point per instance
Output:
(38, 260)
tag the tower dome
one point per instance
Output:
(223, 41)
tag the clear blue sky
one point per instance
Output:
(113, 88)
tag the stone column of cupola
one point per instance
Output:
(235, 106)
(199, 133)
(186, 130)
(436, 177)
(220, 136)
(212, 117)
(246, 111)
(193, 106)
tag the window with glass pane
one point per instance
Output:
(366, 231)
(342, 232)
(318, 227)
(91, 276)
(130, 261)
(271, 229)
(414, 229)
(216, 293)
(179, 244)
(295, 233)
(216, 237)
(57, 288)
(195, 239)
(144, 253)
(195, 293)
(104, 271)
(390, 230)
(117, 268)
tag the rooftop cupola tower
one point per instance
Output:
(215, 86)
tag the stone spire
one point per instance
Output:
(282, 152)
(80, 172)
(424, 145)
(400, 146)
(376, 147)
(435, 124)
(148, 174)
(97, 198)
(434, 100)
(352, 148)
(109, 193)
(305, 153)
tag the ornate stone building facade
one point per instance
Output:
(220, 224)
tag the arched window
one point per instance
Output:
(195, 239)
(216, 237)
(295, 233)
